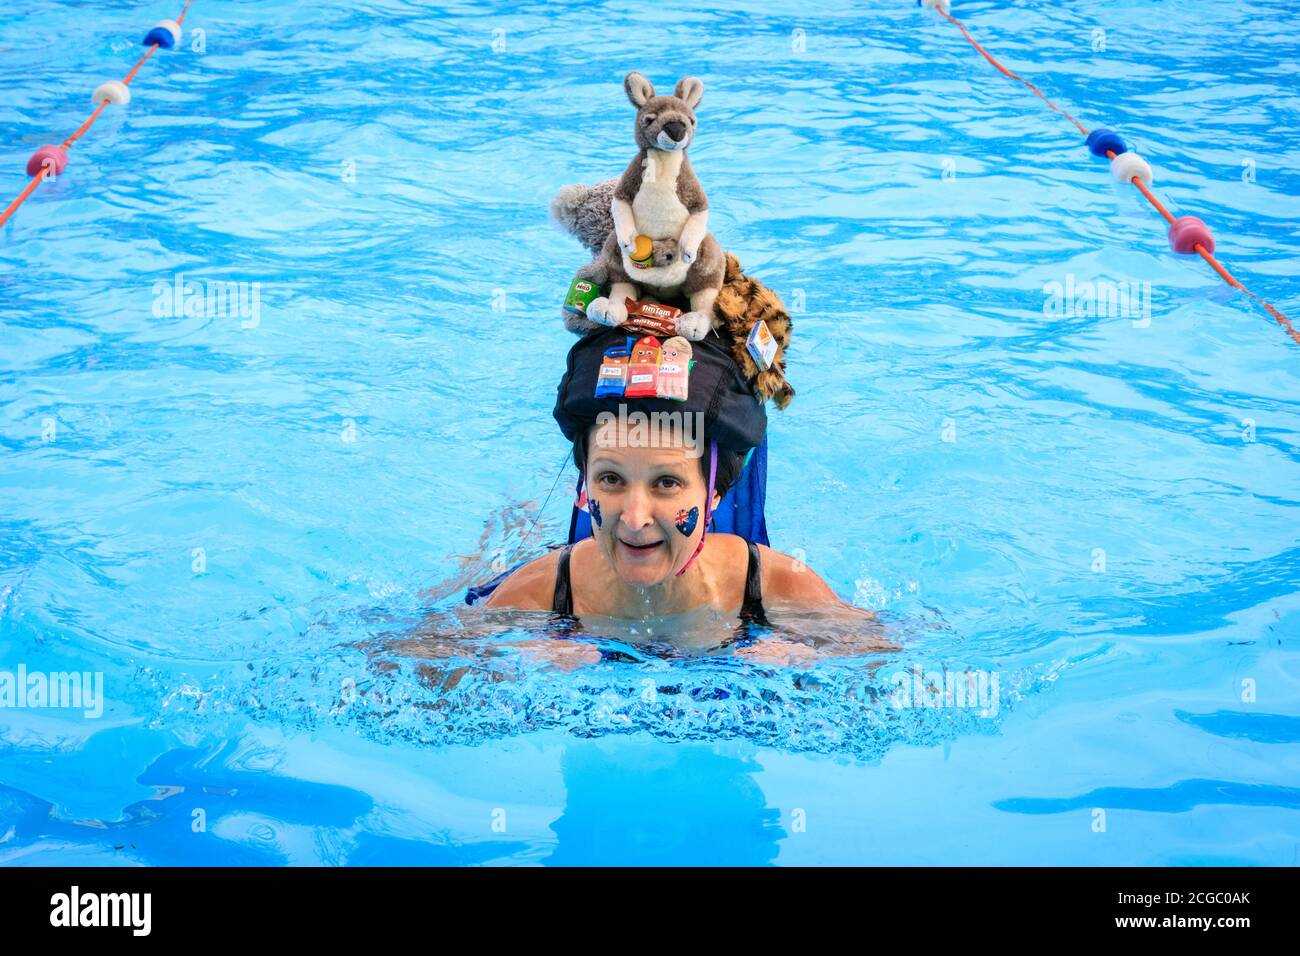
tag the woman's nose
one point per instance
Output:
(636, 509)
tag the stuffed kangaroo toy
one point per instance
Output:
(583, 212)
(659, 197)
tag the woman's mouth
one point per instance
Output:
(640, 549)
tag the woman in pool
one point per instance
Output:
(651, 493)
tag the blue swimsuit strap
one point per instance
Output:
(751, 609)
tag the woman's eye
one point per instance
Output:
(669, 483)
(607, 479)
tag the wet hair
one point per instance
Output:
(730, 463)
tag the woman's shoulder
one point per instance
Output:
(530, 587)
(786, 577)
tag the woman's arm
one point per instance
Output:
(530, 588)
(787, 579)
(788, 583)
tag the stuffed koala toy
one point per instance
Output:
(663, 253)
(584, 212)
(658, 197)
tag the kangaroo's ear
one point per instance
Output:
(638, 89)
(690, 91)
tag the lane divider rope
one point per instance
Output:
(1188, 235)
(49, 161)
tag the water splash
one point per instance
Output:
(432, 693)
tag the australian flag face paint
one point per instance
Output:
(594, 507)
(686, 520)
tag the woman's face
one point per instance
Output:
(647, 504)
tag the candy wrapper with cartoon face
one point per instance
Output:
(674, 369)
(613, 371)
(643, 372)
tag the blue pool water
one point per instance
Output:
(250, 524)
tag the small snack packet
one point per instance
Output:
(761, 345)
(613, 372)
(652, 317)
(674, 369)
(643, 371)
(582, 292)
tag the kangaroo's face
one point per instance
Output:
(664, 122)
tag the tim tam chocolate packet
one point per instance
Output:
(652, 317)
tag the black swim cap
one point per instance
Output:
(733, 415)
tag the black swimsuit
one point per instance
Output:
(750, 612)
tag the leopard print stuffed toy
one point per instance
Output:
(740, 305)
